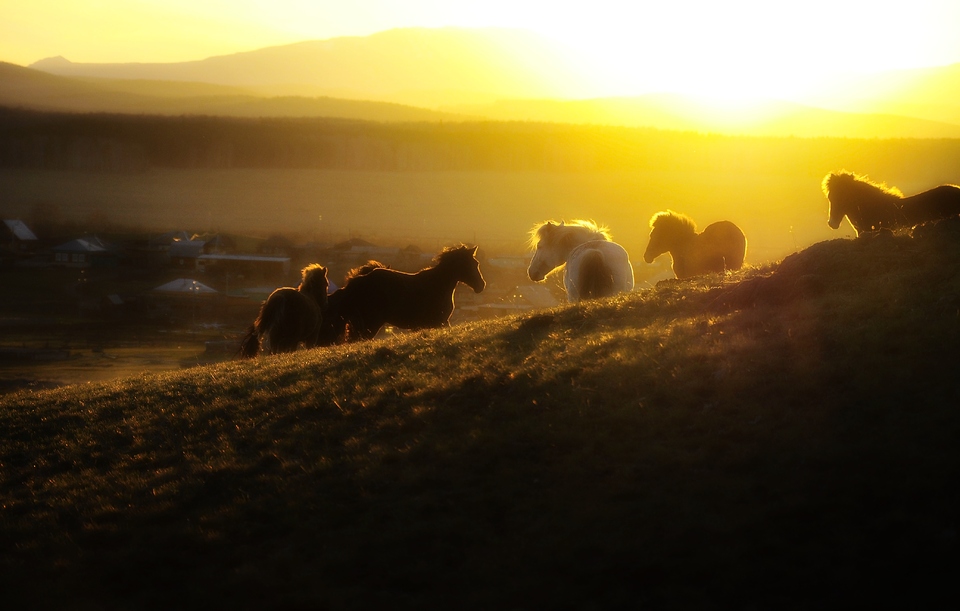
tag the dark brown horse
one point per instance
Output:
(290, 317)
(871, 206)
(382, 296)
(333, 329)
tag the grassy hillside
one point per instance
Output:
(782, 438)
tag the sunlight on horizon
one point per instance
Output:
(726, 52)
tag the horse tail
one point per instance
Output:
(250, 344)
(596, 277)
(739, 251)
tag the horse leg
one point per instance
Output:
(280, 342)
(368, 330)
(280, 338)
(359, 329)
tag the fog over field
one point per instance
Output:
(494, 209)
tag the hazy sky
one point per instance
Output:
(745, 46)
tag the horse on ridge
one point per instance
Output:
(333, 329)
(290, 317)
(377, 295)
(719, 247)
(594, 266)
(870, 206)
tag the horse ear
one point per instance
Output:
(561, 224)
(473, 251)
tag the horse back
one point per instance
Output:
(723, 240)
(290, 316)
(937, 203)
(405, 300)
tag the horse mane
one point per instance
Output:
(365, 269)
(673, 222)
(452, 253)
(542, 231)
(313, 278)
(844, 182)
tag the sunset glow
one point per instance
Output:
(726, 51)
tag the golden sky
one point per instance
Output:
(723, 48)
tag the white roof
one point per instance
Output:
(263, 258)
(20, 230)
(93, 244)
(186, 286)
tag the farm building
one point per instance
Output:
(16, 239)
(86, 252)
(249, 266)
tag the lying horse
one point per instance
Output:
(719, 247)
(421, 300)
(290, 316)
(594, 266)
(871, 206)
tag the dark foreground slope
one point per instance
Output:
(783, 439)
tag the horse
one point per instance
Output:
(290, 316)
(719, 247)
(333, 328)
(871, 206)
(421, 300)
(594, 265)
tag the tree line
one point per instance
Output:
(114, 142)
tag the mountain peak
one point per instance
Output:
(51, 62)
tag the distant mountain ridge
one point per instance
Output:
(419, 74)
(927, 93)
(26, 88)
(500, 62)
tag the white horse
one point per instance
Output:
(595, 266)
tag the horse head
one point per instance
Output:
(553, 243)
(836, 186)
(868, 205)
(667, 229)
(314, 283)
(546, 257)
(655, 246)
(463, 260)
(472, 276)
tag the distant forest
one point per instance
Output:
(103, 142)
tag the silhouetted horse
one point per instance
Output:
(421, 300)
(289, 317)
(719, 247)
(871, 206)
(594, 266)
(333, 329)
